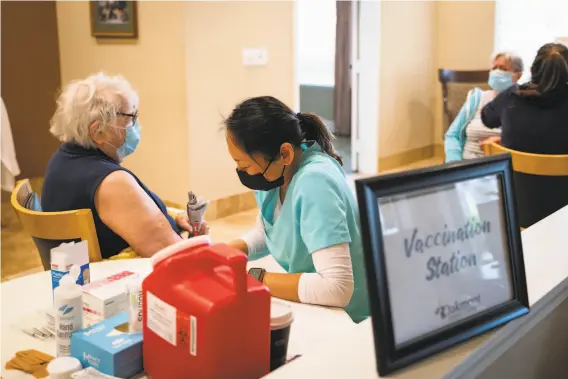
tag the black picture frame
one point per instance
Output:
(389, 357)
(105, 23)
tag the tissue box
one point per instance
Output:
(105, 298)
(110, 350)
(67, 255)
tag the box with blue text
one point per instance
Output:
(66, 255)
(108, 347)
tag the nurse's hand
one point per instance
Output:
(182, 220)
(239, 244)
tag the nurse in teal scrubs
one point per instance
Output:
(308, 221)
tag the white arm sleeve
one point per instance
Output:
(332, 284)
(255, 238)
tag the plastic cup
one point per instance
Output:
(281, 319)
(63, 367)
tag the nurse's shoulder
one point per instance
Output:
(319, 172)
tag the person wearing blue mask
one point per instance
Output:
(97, 122)
(467, 132)
(309, 220)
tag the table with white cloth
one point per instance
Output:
(352, 354)
(330, 344)
(313, 327)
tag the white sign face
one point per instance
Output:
(446, 255)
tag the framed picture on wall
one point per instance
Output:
(114, 19)
(443, 257)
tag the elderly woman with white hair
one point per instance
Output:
(97, 122)
(467, 132)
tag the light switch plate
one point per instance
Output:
(255, 57)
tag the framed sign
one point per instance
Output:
(113, 19)
(443, 257)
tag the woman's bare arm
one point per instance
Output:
(126, 209)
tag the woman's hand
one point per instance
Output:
(240, 245)
(182, 220)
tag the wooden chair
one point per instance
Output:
(541, 182)
(50, 229)
(455, 86)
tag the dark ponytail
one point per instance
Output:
(263, 124)
(315, 130)
(549, 72)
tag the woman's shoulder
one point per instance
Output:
(321, 170)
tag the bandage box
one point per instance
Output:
(105, 298)
(109, 348)
(66, 255)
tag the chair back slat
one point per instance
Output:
(454, 76)
(57, 227)
(528, 163)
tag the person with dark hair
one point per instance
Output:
(308, 221)
(534, 116)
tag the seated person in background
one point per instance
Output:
(534, 116)
(308, 220)
(97, 122)
(466, 132)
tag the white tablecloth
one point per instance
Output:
(25, 297)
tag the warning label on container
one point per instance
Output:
(162, 318)
(182, 329)
(187, 332)
(193, 334)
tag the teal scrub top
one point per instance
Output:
(319, 211)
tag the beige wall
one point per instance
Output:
(465, 34)
(465, 38)
(186, 66)
(408, 60)
(217, 80)
(417, 38)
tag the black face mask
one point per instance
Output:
(258, 182)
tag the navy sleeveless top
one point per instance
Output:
(73, 175)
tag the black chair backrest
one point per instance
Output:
(541, 182)
(539, 196)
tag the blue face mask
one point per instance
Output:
(131, 141)
(500, 80)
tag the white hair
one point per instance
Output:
(514, 60)
(82, 102)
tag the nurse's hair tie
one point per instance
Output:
(300, 116)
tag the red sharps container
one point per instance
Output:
(204, 317)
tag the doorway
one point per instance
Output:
(337, 61)
(30, 80)
(324, 52)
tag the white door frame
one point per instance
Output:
(355, 53)
(365, 81)
(296, 64)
